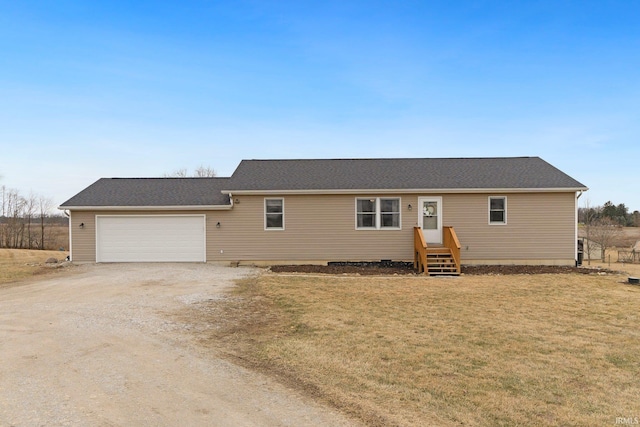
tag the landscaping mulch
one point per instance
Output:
(406, 268)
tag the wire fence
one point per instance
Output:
(630, 257)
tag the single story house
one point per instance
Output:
(518, 210)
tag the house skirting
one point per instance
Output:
(259, 263)
(561, 262)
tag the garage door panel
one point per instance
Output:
(155, 238)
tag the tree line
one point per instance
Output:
(26, 221)
(609, 213)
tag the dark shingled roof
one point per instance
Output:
(400, 174)
(152, 192)
(328, 175)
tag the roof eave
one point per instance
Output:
(149, 208)
(411, 191)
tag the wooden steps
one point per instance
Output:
(437, 259)
(440, 262)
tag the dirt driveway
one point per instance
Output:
(99, 347)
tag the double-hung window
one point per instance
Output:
(498, 210)
(366, 213)
(378, 213)
(274, 214)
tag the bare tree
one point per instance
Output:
(28, 209)
(19, 218)
(4, 190)
(44, 206)
(14, 226)
(604, 232)
(2, 217)
(178, 173)
(589, 216)
(204, 172)
(200, 172)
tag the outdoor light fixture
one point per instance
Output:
(409, 207)
(82, 225)
(218, 224)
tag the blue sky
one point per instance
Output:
(105, 89)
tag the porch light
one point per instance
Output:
(82, 225)
(218, 224)
(409, 207)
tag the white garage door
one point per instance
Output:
(150, 238)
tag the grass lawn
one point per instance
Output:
(474, 350)
(18, 264)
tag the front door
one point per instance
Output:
(431, 218)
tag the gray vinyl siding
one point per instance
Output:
(540, 228)
(83, 241)
(316, 228)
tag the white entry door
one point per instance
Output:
(431, 218)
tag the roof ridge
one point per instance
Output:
(392, 158)
(167, 177)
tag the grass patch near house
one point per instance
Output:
(18, 264)
(473, 350)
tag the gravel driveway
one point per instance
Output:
(97, 347)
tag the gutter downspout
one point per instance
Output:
(575, 239)
(68, 215)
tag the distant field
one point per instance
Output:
(528, 350)
(630, 235)
(58, 237)
(17, 264)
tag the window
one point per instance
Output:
(274, 214)
(377, 213)
(497, 210)
(366, 213)
(390, 213)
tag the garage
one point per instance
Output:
(150, 238)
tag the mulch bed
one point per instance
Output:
(406, 268)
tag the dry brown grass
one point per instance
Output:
(473, 350)
(18, 264)
(611, 262)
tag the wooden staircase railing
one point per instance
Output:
(438, 259)
(419, 250)
(450, 240)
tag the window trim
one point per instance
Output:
(266, 228)
(378, 213)
(375, 213)
(489, 210)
